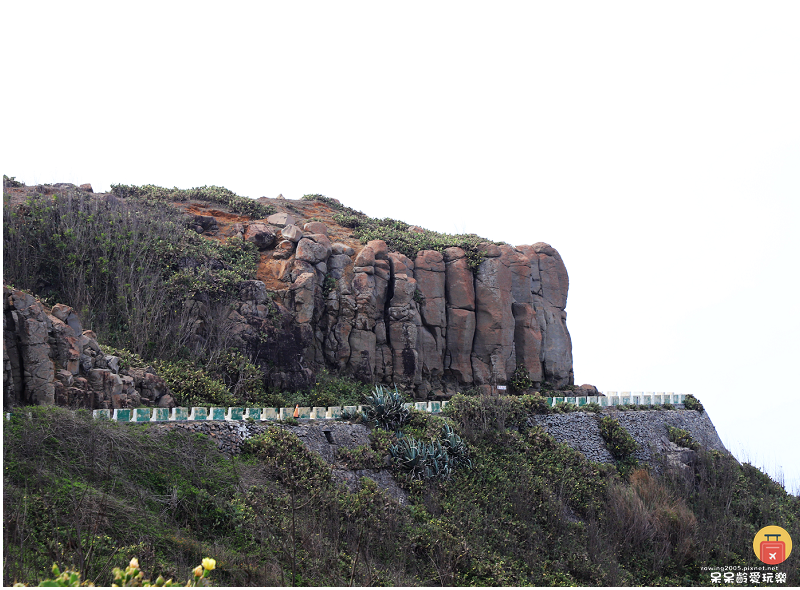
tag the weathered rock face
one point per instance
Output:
(431, 326)
(48, 358)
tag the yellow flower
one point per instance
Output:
(198, 572)
(134, 563)
(209, 563)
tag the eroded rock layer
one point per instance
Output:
(430, 325)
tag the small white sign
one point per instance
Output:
(501, 387)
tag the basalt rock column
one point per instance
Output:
(527, 333)
(460, 311)
(429, 272)
(550, 301)
(404, 324)
(493, 355)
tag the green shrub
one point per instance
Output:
(215, 194)
(521, 380)
(564, 408)
(536, 404)
(474, 416)
(682, 438)
(241, 377)
(191, 385)
(619, 443)
(397, 236)
(692, 403)
(591, 407)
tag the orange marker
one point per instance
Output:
(297, 411)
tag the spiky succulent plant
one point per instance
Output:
(385, 408)
(456, 448)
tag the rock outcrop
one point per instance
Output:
(429, 325)
(48, 358)
(432, 324)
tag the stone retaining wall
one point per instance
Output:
(581, 431)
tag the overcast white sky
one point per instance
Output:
(655, 145)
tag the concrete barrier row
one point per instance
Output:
(236, 414)
(612, 398)
(139, 415)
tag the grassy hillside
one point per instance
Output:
(90, 495)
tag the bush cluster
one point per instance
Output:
(682, 438)
(398, 236)
(692, 403)
(521, 379)
(619, 442)
(127, 267)
(215, 194)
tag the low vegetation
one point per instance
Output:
(399, 236)
(215, 194)
(525, 510)
(129, 267)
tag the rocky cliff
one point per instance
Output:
(432, 323)
(48, 358)
(428, 324)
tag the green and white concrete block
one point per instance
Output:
(421, 406)
(235, 414)
(571, 400)
(122, 415)
(681, 398)
(198, 414)
(160, 415)
(305, 413)
(444, 403)
(581, 401)
(557, 400)
(141, 415)
(334, 413)
(592, 399)
(216, 413)
(96, 414)
(286, 413)
(436, 407)
(271, 414)
(318, 413)
(603, 400)
(625, 397)
(351, 410)
(647, 399)
(254, 413)
(179, 414)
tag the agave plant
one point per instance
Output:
(437, 461)
(409, 454)
(456, 448)
(385, 408)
